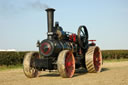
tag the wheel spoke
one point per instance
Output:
(69, 64)
(82, 37)
(66, 63)
(28, 64)
(97, 60)
(82, 32)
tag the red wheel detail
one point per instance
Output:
(66, 63)
(97, 59)
(93, 59)
(70, 64)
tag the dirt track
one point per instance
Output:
(115, 73)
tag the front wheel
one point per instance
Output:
(66, 64)
(28, 65)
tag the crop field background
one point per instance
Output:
(115, 54)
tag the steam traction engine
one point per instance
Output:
(63, 51)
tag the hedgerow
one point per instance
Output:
(16, 58)
(11, 58)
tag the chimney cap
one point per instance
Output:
(50, 9)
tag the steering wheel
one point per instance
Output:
(83, 37)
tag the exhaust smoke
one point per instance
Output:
(39, 5)
(16, 6)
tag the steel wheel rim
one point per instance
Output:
(33, 70)
(97, 59)
(70, 64)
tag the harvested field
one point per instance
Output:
(113, 73)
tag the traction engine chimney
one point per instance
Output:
(50, 20)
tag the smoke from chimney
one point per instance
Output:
(15, 6)
(39, 5)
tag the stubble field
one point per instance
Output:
(113, 73)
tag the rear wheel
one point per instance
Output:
(28, 64)
(93, 59)
(66, 64)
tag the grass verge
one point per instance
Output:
(20, 66)
(10, 67)
(115, 60)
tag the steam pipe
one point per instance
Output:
(50, 20)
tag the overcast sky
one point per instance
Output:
(23, 22)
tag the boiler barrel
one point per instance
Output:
(50, 48)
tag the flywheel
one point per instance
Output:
(83, 37)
